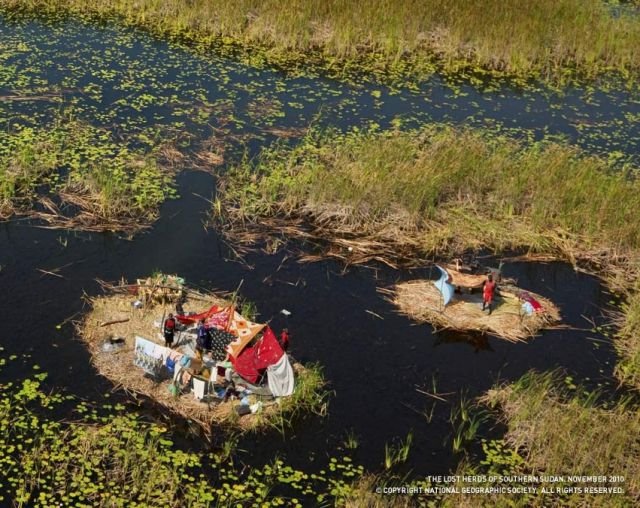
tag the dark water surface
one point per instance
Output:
(130, 82)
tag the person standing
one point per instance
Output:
(203, 339)
(284, 339)
(169, 330)
(488, 293)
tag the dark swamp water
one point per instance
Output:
(131, 82)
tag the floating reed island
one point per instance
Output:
(124, 331)
(516, 315)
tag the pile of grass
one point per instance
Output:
(548, 38)
(73, 175)
(421, 301)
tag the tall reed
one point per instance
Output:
(567, 431)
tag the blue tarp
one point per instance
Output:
(443, 286)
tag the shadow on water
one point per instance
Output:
(373, 363)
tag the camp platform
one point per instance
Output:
(516, 316)
(123, 331)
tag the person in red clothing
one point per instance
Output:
(284, 339)
(169, 330)
(488, 290)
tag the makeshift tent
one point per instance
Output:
(244, 330)
(442, 284)
(230, 320)
(219, 319)
(194, 318)
(251, 363)
(245, 366)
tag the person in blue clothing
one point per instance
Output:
(203, 339)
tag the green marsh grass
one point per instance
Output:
(27, 159)
(367, 492)
(351, 441)
(108, 456)
(309, 397)
(546, 38)
(553, 429)
(400, 196)
(442, 189)
(71, 163)
(627, 341)
(466, 418)
(397, 453)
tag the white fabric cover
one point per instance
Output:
(199, 388)
(280, 377)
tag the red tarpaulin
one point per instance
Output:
(252, 361)
(226, 318)
(194, 318)
(268, 350)
(218, 319)
(245, 365)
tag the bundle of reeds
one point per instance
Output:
(161, 289)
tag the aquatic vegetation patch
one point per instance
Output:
(628, 340)
(560, 430)
(70, 174)
(394, 196)
(548, 39)
(115, 76)
(108, 456)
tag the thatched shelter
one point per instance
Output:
(421, 301)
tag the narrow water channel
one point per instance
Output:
(127, 81)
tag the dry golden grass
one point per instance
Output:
(421, 301)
